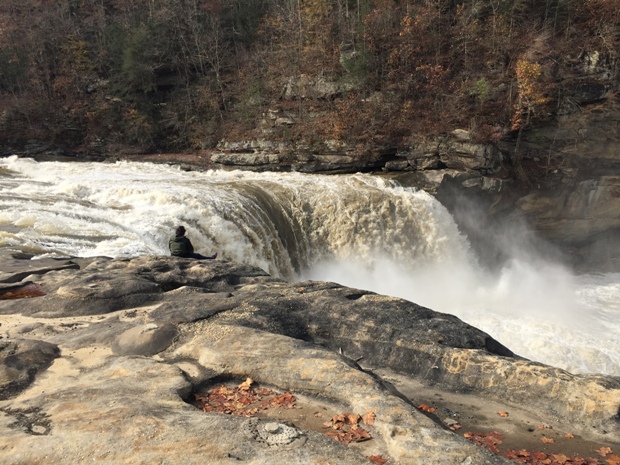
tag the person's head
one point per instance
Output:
(180, 231)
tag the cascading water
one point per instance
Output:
(357, 230)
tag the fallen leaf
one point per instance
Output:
(352, 418)
(603, 451)
(379, 460)
(547, 440)
(318, 414)
(426, 408)
(569, 435)
(263, 392)
(544, 426)
(613, 460)
(502, 414)
(369, 418)
(245, 386)
(455, 426)
(286, 400)
(489, 441)
(539, 456)
(559, 458)
(337, 436)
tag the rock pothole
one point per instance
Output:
(273, 434)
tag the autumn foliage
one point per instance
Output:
(184, 74)
(247, 400)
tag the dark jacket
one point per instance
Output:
(180, 246)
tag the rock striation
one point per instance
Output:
(101, 368)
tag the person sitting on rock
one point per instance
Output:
(181, 246)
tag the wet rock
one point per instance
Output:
(20, 361)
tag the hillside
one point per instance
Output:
(372, 75)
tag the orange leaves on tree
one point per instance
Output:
(531, 93)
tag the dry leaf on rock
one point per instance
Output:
(489, 441)
(245, 386)
(502, 414)
(559, 458)
(426, 408)
(613, 460)
(379, 460)
(369, 418)
(547, 440)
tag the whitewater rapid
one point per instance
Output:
(358, 230)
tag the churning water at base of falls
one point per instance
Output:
(357, 230)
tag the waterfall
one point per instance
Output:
(358, 230)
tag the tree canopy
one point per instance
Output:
(183, 74)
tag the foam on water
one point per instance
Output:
(357, 230)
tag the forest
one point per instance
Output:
(182, 75)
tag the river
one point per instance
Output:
(357, 230)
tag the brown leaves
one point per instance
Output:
(346, 427)
(379, 460)
(369, 418)
(426, 408)
(613, 460)
(455, 426)
(503, 414)
(243, 400)
(492, 440)
(489, 441)
(603, 451)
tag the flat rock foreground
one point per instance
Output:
(138, 360)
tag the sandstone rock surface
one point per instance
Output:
(102, 367)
